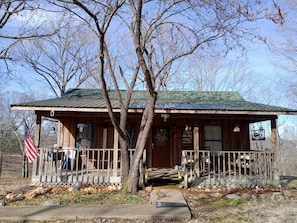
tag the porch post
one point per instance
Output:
(196, 149)
(115, 152)
(37, 130)
(36, 162)
(104, 143)
(275, 149)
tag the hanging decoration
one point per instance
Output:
(258, 134)
(161, 136)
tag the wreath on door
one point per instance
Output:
(161, 136)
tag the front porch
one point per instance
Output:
(103, 167)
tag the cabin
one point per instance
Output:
(200, 138)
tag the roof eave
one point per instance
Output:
(158, 111)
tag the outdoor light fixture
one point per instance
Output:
(165, 116)
(236, 128)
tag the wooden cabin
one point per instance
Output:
(202, 137)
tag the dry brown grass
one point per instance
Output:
(11, 175)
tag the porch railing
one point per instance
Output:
(246, 168)
(67, 165)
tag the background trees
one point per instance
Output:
(61, 61)
(284, 48)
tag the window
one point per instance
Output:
(213, 137)
(187, 140)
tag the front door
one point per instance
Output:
(161, 147)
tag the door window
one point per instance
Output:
(213, 137)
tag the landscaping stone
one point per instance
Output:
(89, 190)
(246, 196)
(9, 197)
(216, 195)
(50, 203)
(35, 192)
(292, 184)
(287, 193)
(233, 196)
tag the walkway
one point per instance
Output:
(167, 203)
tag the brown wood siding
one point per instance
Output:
(236, 141)
(227, 135)
(72, 133)
(66, 138)
(98, 136)
(177, 146)
(109, 137)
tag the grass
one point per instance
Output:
(228, 202)
(80, 197)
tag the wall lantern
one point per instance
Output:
(165, 117)
(236, 128)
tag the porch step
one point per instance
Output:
(163, 174)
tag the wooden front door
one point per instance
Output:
(161, 147)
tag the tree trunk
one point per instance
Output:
(145, 127)
(1, 154)
(124, 161)
(25, 167)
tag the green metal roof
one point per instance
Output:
(76, 99)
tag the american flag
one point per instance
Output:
(30, 147)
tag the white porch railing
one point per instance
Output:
(246, 168)
(68, 165)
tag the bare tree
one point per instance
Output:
(144, 25)
(7, 10)
(284, 49)
(11, 131)
(63, 60)
(19, 20)
(214, 72)
(285, 59)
